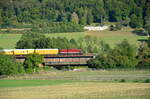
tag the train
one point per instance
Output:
(41, 51)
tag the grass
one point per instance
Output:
(26, 83)
(87, 75)
(100, 84)
(79, 90)
(114, 37)
(111, 37)
(8, 41)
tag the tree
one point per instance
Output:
(144, 56)
(32, 62)
(28, 40)
(42, 43)
(89, 17)
(74, 18)
(115, 15)
(8, 66)
(122, 56)
(147, 26)
(73, 43)
(24, 44)
(136, 22)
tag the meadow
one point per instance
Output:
(8, 40)
(61, 85)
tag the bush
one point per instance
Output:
(122, 56)
(116, 27)
(32, 62)
(144, 56)
(113, 28)
(8, 66)
(147, 81)
(122, 80)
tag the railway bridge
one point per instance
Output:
(62, 60)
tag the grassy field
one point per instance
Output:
(85, 84)
(114, 37)
(111, 37)
(77, 90)
(87, 75)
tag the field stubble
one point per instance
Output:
(82, 90)
(71, 85)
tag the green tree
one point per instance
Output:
(29, 40)
(136, 22)
(42, 43)
(8, 66)
(74, 18)
(147, 26)
(144, 56)
(89, 17)
(32, 62)
(122, 56)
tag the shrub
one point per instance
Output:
(122, 56)
(147, 81)
(8, 66)
(32, 62)
(144, 56)
(122, 80)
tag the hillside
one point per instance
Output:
(111, 37)
(44, 13)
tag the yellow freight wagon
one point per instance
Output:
(46, 51)
(20, 51)
(2, 52)
(8, 52)
(30, 51)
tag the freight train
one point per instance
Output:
(41, 51)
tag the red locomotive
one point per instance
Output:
(70, 52)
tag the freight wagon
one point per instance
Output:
(41, 51)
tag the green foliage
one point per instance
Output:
(74, 18)
(116, 27)
(144, 56)
(36, 40)
(122, 80)
(147, 81)
(122, 56)
(147, 25)
(83, 12)
(8, 66)
(29, 40)
(136, 22)
(32, 62)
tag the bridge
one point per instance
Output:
(61, 60)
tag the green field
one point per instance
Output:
(111, 37)
(79, 90)
(87, 75)
(77, 85)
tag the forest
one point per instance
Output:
(43, 13)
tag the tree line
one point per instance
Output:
(32, 40)
(14, 13)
